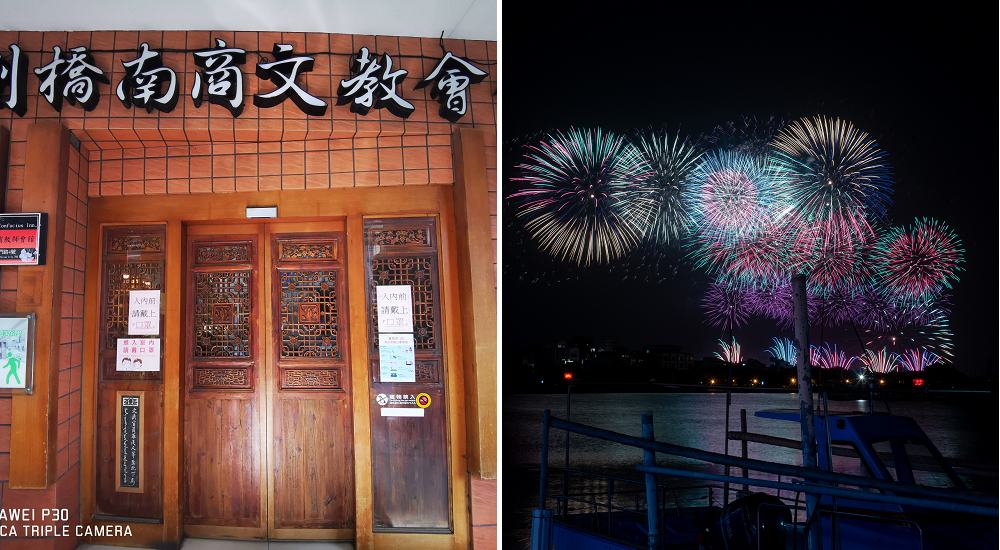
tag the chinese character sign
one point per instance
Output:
(14, 78)
(396, 358)
(21, 239)
(453, 76)
(222, 79)
(143, 312)
(138, 354)
(283, 72)
(373, 84)
(73, 78)
(395, 308)
(375, 81)
(143, 83)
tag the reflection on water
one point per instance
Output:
(964, 429)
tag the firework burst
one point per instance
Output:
(881, 362)
(917, 359)
(839, 178)
(836, 306)
(730, 352)
(783, 350)
(733, 197)
(935, 335)
(919, 261)
(586, 200)
(838, 267)
(748, 135)
(775, 301)
(738, 211)
(829, 358)
(671, 163)
(725, 306)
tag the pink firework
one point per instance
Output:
(917, 359)
(737, 207)
(829, 358)
(765, 259)
(918, 262)
(838, 266)
(730, 352)
(881, 362)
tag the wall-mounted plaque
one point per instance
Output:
(129, 422)
(22, 239)
(17, 352)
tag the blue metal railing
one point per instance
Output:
(812, 481)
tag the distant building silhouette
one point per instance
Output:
(662, 357)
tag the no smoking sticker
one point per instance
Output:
(423, 400)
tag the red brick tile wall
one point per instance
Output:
(65, 493)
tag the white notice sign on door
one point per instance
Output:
(144, 312)
(396, 358)
(395, 308)
(138, 354)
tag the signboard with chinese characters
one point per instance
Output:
(138, 354)
(22, 239)
(72, 75)
(396, 358)
(17, 344)
(129, 422)
(143, 312)
(395, 308)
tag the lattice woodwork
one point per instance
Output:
(314, 379)
(123, 244)
(396, 237)
(427, 371)
(219, 254)
(415, 272)
(222, 378)
(140, 276)
(309, 251)
(222, 314)
(308, 314)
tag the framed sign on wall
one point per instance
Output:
(22, 239)
(17, 352)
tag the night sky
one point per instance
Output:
(923, 84)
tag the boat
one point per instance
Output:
(889, 485)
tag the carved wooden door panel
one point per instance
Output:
(223, 416)
(268, 426)
(311, 491)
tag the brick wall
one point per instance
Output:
(65, 493)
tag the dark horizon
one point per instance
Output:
(922, 83)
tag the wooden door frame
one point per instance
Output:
(352, 204)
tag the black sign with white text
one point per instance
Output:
(129, 465)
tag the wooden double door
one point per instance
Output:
(268, 433)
